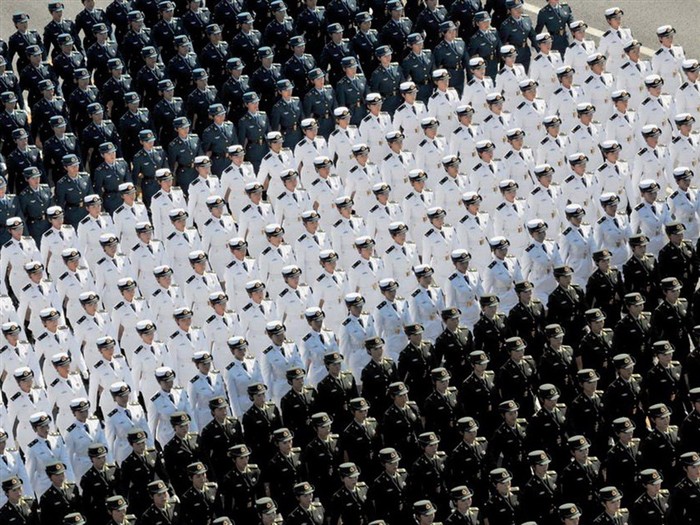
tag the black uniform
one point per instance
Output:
(30, 77)
(440, 413)
(78, 102)
(245, 46)
(85, 20)
(54, 150)
(196, 23)
(419, 69)
(388, 498)
(502, 510)
(621, 467)
(130, 124)
(281, 474)
(557, 367)
(528, 321)
(69, 196)
(507, 446)
(631, 336)
(42, 112)
(164, 113)
(490, 335)
(363, 45)
(180, 70)
(360, 443)
(34, 204)
(17, 161)
(198, 102)
(177, 454)
(92, 136)
(65, 65)
(517, 382)
(215, 440)
(679, 262)
(579, 484)
(59, 502)
(466, 464)
(301, 516)
(672, 323)
(199, 507)
(319, 104)
(463, 11)
(297, 409)
(312, 24)
(113, 91)
(659, 450)
(641, 275)
(452, 56)
(258, 425)
(477, 398)
(26, 513)
(547, 431)
(239, 491)
(376, 378)
(18, 43)
(351, 92)
(146, 84)
(163, 35)
(97, 57)
(400, 429)
(131, 47)
(334, 395)
(106, 181)
(539, 499)
(566, 307)
(96, 487)
(395, 33)
(454, 348)
(225, 13)
(181, 154)
(232, 96)
(414, 368)
(649, 511)
(426, 481)
(136, 473)
(520, 34)
(9, 121)
(213, 57)
(349, 506)
(320, 459)
(665, 385)
(684, 503)
(595, 351)
(623, 399)
(331, 57)
(264, 82)
(155, 516)
(605, 291)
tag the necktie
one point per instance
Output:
(4, 459)
(127, 412)
(491, 168)
(245, 266)
(362, 323)
(422, 197)
(413, 108)
(619, 34)
(515, 208)
(260, 210)
(639, 68)
(403, 250)
(48, 444)
(56, 338)
(315, 237)
(245, 366)
(617, 224)
(150, 248)
(189, 336)
(500, 119)
(656, 154)
(671, 52)
(653, 209)
(209, 380)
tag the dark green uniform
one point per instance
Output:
(216, 139)
(487, 45)
(9, 207)
(320, 105)
(395, 34)
(54, 150)
(452, 56)
(165, 112)
(34, 204)
(69, 196)
(252, 130)
(181, 154)
(521, 34)
(419, 69)
(386, 81)
(285, 117)
(106, 181)
(129, 127)
(198, 103)
(350, 92)
(556, 20)
(144, 171)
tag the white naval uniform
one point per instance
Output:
(395, 168)
(631, 78)
(343, 235)
(612, 46)
(69, 287)
(324, 192)
(271, 166)
(538, 263)
(657, 111)
(161, 204)
(358, 184)
(340, 145)
(364, 276)
(105, 373)
(584, 139)
(425, 306)
(654, 164)
(373, 130)
(389, 320)
(125, 218)
(146, 359)
(78, 437)
(288, 208)
(448, 196)
(576, 56)
(437, 249)
(200, 389)
(12, 358)
(41, 452)
(484, 180)
(108, 272)
(576, 250)
(351, 341)
(519, 166)
(33, 298)
(20, 406)
(197, 289)
(528, 116)
(399, 261)
(274, 362)
(597, 89)
(686, 100)
(508, 220)
(668, 64)
(126, 315)
(144, 258)
(475, 95)
(291, 304)
(89, 231)
(684, 207)
(545, 203)
(614, 178)
(685, 151)
(508, 84)
(48, 344)
(13, 256)
(12, 464)
(650, 219)
(407, 118)
(551, 150)
(200, 189)
(178, 245)
(494, 128)
(182, 346)
(161, 405)
(237, 376)
(429, 158)
(53, 242)
(119, 422)
(613, 233)
(543, 70)
(314, 345)
(253, 318)
(329, 293)
(305, 152)
(472, 233)
(307, 248)
(233, 181)
(580, 190)
(270, 263)
(442, 106)
(462, 143)
(500, 278)
(415, 206)
(218, 329)
(60, 393)
(88, 329)
(236, 275)
(215, 237)
(252, 220)
(163, 302)
(463, 291)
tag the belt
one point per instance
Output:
(561, 32)
(358, 104)
(524, 44)
(458, 67)
(34, 221)
(259, 142)
(293, 128)
(74, 206)
(108, 192)
(425, 82)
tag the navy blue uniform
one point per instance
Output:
(363, 45)
(232, 96)
(146, 84)
(54, 150)
(69, 196)
(264, 82)
(17, 161)
(452, 56)
(350, 92)
(106, 181)
(143, 171)
(165, 112)
(487, 45)
(556, 20)
(198, 103)
(386, 81)
(78, 102)
(419, 69)
(520, 34)
(245, 46)
(163, 35)
(320, 104)
(97, 58)
(129, 126)
(34, 204)
(94, 135)
(252, 130)
(463, 11)
(215, 141)
(286, 117)
(213, 58)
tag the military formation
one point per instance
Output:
(366, 263)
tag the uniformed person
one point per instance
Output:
(518, 31)
(163, 509)
(299, 64)
(34, 202)
(349, 502)
(100, 482)
(286, 114)
(259, 423)
(485, 43)
(451, 54)
(502, 506)
(241, 485)
(201, 501)
(320, 102)
(307, 511)
(676, 258)
(164, 31)
(650, 508)
(220, 434)
(61, 497)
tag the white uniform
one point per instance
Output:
(425, 306)
(475, 95)
(563, 103)
(463, 291)
(200, 389)
(340, 145)
(685, 152)
(462, 143)
(364, 276)
(53, 242)
(654, 164)
(538, 263)
(69, 287)
(307, 248)
(472, 233)
(236, 275)
(42, 452)
(500, 278)
(395, 168)
(89, 231)
(399, 260)
(668, 64)
(304, 154)
(576, 56)
(329, 293)
(215, 237)
(358, 184)
(108, 272)
(612, 233)
(494, 128)
(407, 118)
(102, 375)
(119, 422)
(508, 220)
(576, 249)
(508, 84)
(550, 150)
(597, 89)
(686, 100)
(11, 464)
(13, 256)
(33, 298)
(612, 46)
(253, 318)
(178, 245)
(484, 180)
(182, 346)
(237, 377)
(12, 358)
(163, 302)
(126, 315)
(442, 106)
(288, 209)
(584, 139)
(351, 338)
(144, 258)
(233, 181)
(146, 359)
(324, 192)
(528, 116)
(161, 406)
(200, 189)
(448, 196)
(657, 111)
(78, 437)
(20, 406)
(545, 203)
(580, 190)
(270, 264)
(48, 344)
(291, 305)
(429, 158)
(373, 130)
(270, 167)
(389, 319)
(631, 78)
(125, 218)
(252, 220)
(614, 178)
(274, 363)
(650, 220)
(684, 207)
(343, 235)
(415, 206)
(437, 248)
(197, 289)
(314, 345)
(89, 329)
(543, 69)
(60, 393)
(161, 204)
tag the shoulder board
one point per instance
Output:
(601, 167)
(489, 118)
(99, 363)
(26, 287)
(443, 180)
(367, 118)
(453, 276)
(390, 249)
(646, 101)
(569, 178)
(306, 337)
(538, 57)
(493, 263)
(572, 45)
(521, 105)
(607, 32)
(428, 233)
(156, 292)
(136, 247)
(434, 95)
(173, 335)
(315, 182)
(674, 194)
(7, 244)
(381, 305)
(43, 336)
(103, 260)
(194, 379)
(374, 208)
(415, 293)
(567, 231)
(85, 220)
(557, 91)
(112, 412)
(601, 220)
(33, 442)
(284, 292)
(642, 151)
(423, 142)
(207, 222)
(345, 323)
(190, 279)
(659, 51)
(338, 223)
(247, 307)
(501, 206)
(684, 85)
(639, 206)
(82, 320)
(354, 168)
(675, 139)
(544, 141)
(267, 350)
(138, 350)
(529, 248)
(507, 155)
(356, 264)
(281, 196)
(48, 232)
(318, 279)
(155, 396)
(171, 236)
(119, 305)
(72, 426)
(575, 128)
(588, 80)
(625, 65)
(211, 319)
(15, 396)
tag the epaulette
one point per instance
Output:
(415, 292)
(589, 79)
(521, 105)
(674, 194)
(443, 180)
(7, 244)
(82, 319)
(538, 57)
(659, 51)
(453, 276)
(607, 32)
(428, 233)
(281, 196)
(155, 396)
(487, 119)
(43, 336)
(572, 45)
(536, 190)
(318, 279)
(194, 182)
(354, 168)
(120, 209)
(207, 222)
(138, 349)
(567, 231)
(99, 363)
(569, 178)
(639, 206)
(601, 220)
(458, 130)
(477, 166)
(356, 264)
(529, 248)
(381, 305)
(15, 396)
(112, 412)
(33, 442)
(501, 206)
(338, 223)
(409, 196)
(471, 82)
(509, 154)
(210, 319)
(190, 279)
(103, 260)
(367, 117)
(247, 307)
(684, 85)
(423, 143)
(268, 156)
(675, 139)
(306, 337)
(119, 305)
(48, 232)
(315, 182)
(544, 141)
(85, 220)
(642, 151)
(390, 249)
(136, 247)
(374, 208)
(434, 95)
(268, 350)
(173, 335)
(266, 250)
(171, 235)
(601, 167)
(284, 292)
(26, 287)
(194, 379)
(346, 322)
(156, 292)
(72, 426)
(493, 263)
(646, 101)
